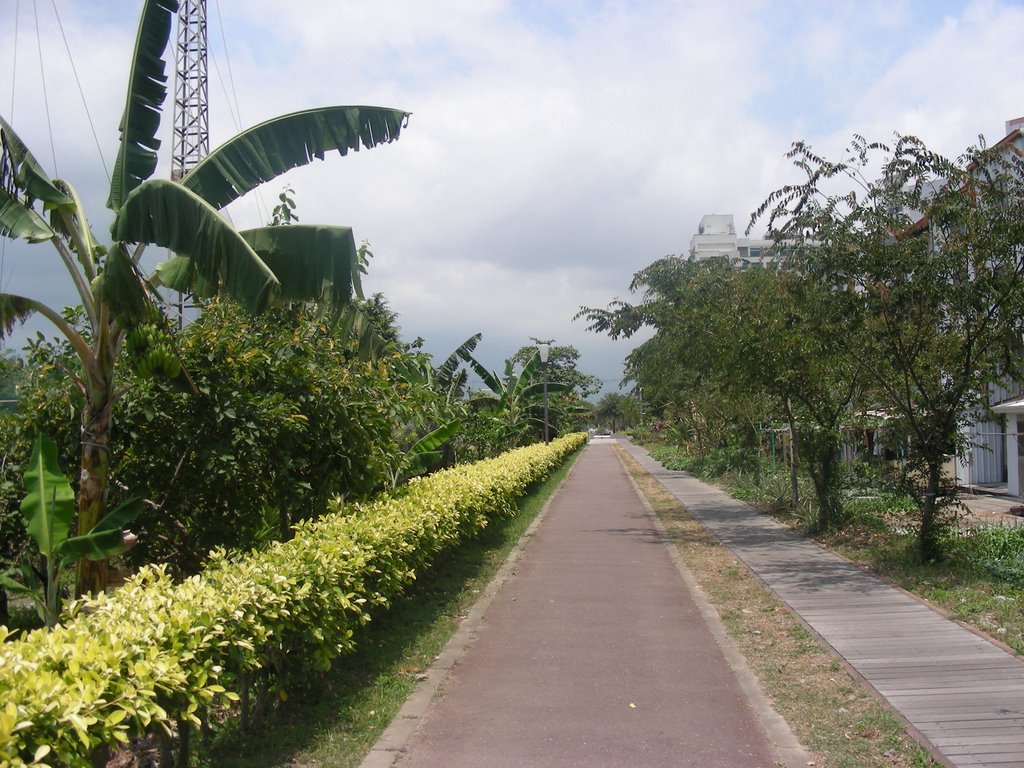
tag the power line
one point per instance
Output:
(234, 107)
(46, 100)
(14, 69)
(81, 93)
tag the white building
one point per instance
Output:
(996, 453)
(716, 238)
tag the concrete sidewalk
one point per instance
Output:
(590, 651)
(961, 694)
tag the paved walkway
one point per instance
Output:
(962, 694)
(590, 651)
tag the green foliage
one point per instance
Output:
(1000, 551)
(286, 416)
(900, 285)
(212, 258)
(729, 458)
(735, 347)
(616, 411)
(925, 253)
(425, 453)
(290, 408)
(49, 510)
(509, 412)
(284, 212)
(157, 654)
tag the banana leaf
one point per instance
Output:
(425, 452)
(29, 176)
(18, 220)
(106, 539)
(147, 89)
(445, 376)
(122, 287)
(267, 150)
(310, 262)
(14, 309)
(49, 503)
(80, 224)
(209, 248)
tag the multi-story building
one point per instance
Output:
(995, 452)
(716, 238)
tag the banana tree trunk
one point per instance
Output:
(92, 491)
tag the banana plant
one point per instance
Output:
(515, 398)
(49, 509)
(255, 267)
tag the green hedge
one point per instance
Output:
(158, 655)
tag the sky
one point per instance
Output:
(555, 148)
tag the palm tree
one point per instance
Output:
(255, 267)
(613, 410)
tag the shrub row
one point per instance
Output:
(157, 655)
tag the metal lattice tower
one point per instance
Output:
(191, 117)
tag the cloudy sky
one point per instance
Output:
(556, 146)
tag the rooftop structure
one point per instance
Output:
(716, 238)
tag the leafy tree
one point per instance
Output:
(927, 253)
(563, 368)
(382, 317)
(681, 367)
(736, 347)
(567, 406)
(288, 414)
(780, 332)
(294, 262)
(613, 410)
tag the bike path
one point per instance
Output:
(590, 650)
(961, 694)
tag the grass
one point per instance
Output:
(336, 718)
(832, 713)
(980, 582)
(962, 585)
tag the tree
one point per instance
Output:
(562, 367)
(613, 410)
(254, 267)
(567, 406)
(780, 331)
(735, 348)
(928, 255)
(681, 368)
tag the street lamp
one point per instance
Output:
(545, 350)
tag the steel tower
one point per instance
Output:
(191, 117)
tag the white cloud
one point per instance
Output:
(555, 147)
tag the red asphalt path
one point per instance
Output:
(593, 653)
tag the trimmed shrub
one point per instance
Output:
(159, 656)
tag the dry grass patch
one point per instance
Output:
(834, 715)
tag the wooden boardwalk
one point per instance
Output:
(962, 694)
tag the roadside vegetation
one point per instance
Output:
(888, 320)
(832, 388)
(204, 514)
(290, 466)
